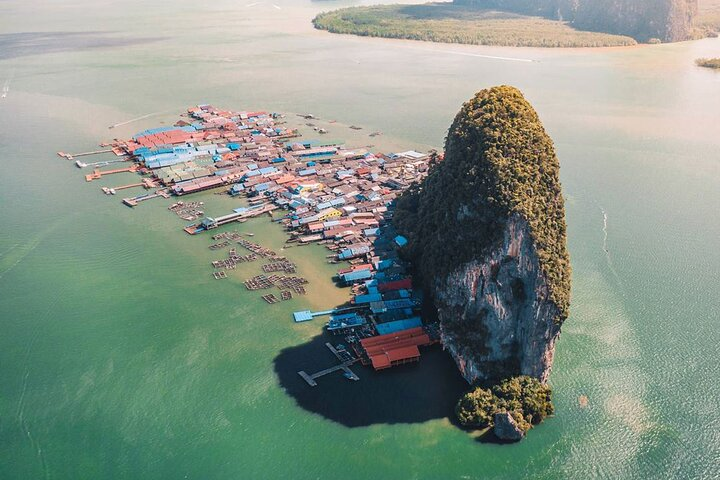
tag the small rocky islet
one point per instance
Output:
(487, 237)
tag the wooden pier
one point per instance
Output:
(211, 223)
(305, 315)
(70, 156)
(146, 183)
(344, 366)
(97, 174)
(81, 164)
(134, 201)
(112, 190)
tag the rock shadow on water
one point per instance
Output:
(412, 393)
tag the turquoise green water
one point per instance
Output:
(121, 357)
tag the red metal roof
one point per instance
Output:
(403, 284)
(355, 268)
(387, 358)
(380, 361)
(389, 349)
(403, 353)
(392, 337)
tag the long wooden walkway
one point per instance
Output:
(70, 156)
(344, 366)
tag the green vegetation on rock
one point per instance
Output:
(476, 408)
(499, 162)
(708, 62)
(450, 23)
(526, 398)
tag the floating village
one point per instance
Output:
(319, 190)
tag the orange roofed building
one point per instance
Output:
(385, 351)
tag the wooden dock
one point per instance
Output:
(134, 201)
(70, 156)
(97, 174)
(81, 164)
(344, 366)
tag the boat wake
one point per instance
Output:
(5, 89)
(20, 417)
(609, 259)
(136, 119)
(477, 55)
(605, 233)
(260, 3)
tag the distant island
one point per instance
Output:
(531, 23)
(487, 237)
(708, 62)
(452, 23)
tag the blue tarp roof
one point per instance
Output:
(354, 251)
(357, 275)
(323, 153)
(153, 131)
(347, 320)
(398, 325)
(396, 294)
(302, 316)
(394, 315)
(388, 305)
(313, 143)
(383, 264)
(370, 297)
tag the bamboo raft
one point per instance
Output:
(270, 298)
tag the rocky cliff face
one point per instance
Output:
(486, 233)
(497, 317)
(667, 20)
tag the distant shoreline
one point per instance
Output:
(453, 24)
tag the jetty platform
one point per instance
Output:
(134, 201)
(210, 223)
(306, 315)
(70, 156)
(346, 362)
(97, 174)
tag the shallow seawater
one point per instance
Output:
(121, 357)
